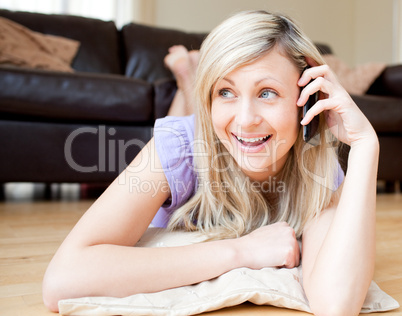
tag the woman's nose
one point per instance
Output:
(247, 114)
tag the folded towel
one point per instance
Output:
(20, 46)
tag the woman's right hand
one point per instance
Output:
(343, 117)
(273, 245)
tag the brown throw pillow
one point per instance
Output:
(20, 46)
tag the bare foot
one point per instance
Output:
(195, 57)
(183, 65)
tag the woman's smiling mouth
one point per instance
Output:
(252, 144)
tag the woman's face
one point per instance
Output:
(255, 116)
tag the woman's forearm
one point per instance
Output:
(79, 270)
(110, 270)
(345, 263)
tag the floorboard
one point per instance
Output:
(31, 231)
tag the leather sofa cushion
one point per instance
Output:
(164, 92)
(384, 113)
(67, 152)
(388, 83)
(99, 49)
(146, 47)
(78, 97)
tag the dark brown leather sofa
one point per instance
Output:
(86, 126)
(382, 104)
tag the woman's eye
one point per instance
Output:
(226, 93)
(267, 94)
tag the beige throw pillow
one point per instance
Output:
(355, 80)
(269, 286)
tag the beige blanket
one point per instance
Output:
(19, 46)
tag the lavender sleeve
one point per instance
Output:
(340, 176)
(174, 137)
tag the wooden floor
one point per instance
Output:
(30, 233)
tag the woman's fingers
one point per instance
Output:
(316, 72)
(324, 82)
(345, 120)
(318, 85)
(320, 106)
(273, 245)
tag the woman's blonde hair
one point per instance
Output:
(227, 203)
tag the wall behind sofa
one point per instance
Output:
(359, 31)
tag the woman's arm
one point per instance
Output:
(339, 247)
(98, 257)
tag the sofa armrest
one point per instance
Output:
(384, 113)
(75, 96)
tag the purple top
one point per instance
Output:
(174, 142)
(174, 137)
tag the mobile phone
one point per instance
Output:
(310, 130)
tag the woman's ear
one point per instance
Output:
(311, 62)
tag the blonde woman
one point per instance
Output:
(239, 171)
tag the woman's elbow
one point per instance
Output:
(335, 298)
(51, 293)
(55, 287)
(333, 310)
(331, 305)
